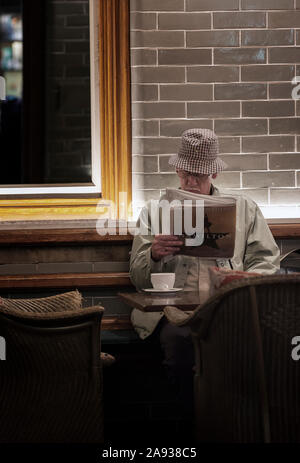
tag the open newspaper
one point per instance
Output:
(206, 223)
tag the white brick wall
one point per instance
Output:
(226, 65)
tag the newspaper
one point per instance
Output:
(212, 223)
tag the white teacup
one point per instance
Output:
(162, 281)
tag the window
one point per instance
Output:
(110, 127)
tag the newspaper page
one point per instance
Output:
(211, 219)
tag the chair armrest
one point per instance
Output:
(74, 313)
(176, 316)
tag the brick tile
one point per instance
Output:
(156, 5)
(229, 144)
(62, 254)
(285, 196)
(284, 161)
(267, 73)
(17, 269)
(70, 58)
(239, 55)
(286, 126)
(267, 37)
(64, 33)
(268, 144)
(140, 57)
(144, 196)
(142, 21)
(298, 178)
(284, 55)
(227, 180)
(111, 267)
(212, 5)
(185, 56)
(297, 4)
(212, 39)
(76, 47)
(239, 20)
(157, 74)
(77, 71)
(145, 128)
(137, 182)
(67, 8)
(157, 39)
(20, 255)
(164, 165)
(184, 21)
(73, 267)
(213, 109)
(280, 91)
(59, 47)
(267, 4)
(284, 19)
(240, 91)
(155, 145)
(244, 162)
(157, 110)
(268, 179)
(186, 92)
(176, 128)
(144, 92)
(241, 127)
(298, 37)
(298, 143)
(268, 108)
(161, 181)
(213, 74)
(77, 21)
(144, 164)
(259, 195)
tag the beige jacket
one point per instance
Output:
(255, 250)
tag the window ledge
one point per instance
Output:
(65, 281)
(85, 231)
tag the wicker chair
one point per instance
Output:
(51, 381)
(246, 382)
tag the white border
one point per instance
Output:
(95, 187)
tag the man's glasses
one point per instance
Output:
(184, 175)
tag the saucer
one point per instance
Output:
(171, 290)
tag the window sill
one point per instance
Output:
(76, 231)
(287, 230)
(65, 281)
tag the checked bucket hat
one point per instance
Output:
(199, 152)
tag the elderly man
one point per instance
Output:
(197, 163)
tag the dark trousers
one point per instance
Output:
(178, 360)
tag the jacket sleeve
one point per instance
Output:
(141, 263)
(261, 253)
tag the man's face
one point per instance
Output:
(195, 183)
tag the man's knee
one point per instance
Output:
(176, 343)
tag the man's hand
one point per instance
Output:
(165, 245)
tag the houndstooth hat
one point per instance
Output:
(199, 152)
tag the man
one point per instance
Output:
(197, 163)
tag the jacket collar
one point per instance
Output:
(214, 191)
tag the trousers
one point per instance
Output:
(178, 360)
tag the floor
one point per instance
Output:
(140, 404)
